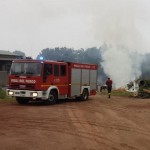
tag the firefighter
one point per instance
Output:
(109, 86)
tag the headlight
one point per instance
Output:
(34, 94)
(10, 93)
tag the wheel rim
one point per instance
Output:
(85, 95)
(51, 98)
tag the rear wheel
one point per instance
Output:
(52, 98)
(84, 95)
(22, 100)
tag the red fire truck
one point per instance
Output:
(33, 80)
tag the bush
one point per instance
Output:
(2, 93)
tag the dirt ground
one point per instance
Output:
(97, 124)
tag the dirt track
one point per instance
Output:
(97, 124)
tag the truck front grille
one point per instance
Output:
(23, 86)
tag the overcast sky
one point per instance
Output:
(32, 25)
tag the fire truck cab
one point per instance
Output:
(33, 80)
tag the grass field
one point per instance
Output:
(118, 92)
(7, 99)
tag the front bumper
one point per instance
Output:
(27, 93)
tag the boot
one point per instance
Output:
(109, 95)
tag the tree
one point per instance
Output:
(63, 53)
(19, 53)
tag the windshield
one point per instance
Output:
(26, 68)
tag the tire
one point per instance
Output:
(84, 95)
(22, 100)
(52, 98)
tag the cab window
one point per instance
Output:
(63, 70)
(47, 69)
(56, 70)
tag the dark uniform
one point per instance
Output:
(109, 86)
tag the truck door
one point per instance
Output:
(61, 78)
(47, 75)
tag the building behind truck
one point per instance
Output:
(6, 59)
(49, 81)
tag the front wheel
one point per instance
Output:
(52, 98)
(22, 100)
(85, 95)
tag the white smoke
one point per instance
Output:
(121, 65)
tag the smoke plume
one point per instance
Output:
(121, 65)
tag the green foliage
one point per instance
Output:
(91, 55)
(7, 99)
(2, 93)
(118, 92)
(122, 92)
(59, 54)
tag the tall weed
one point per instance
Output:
(2, 93)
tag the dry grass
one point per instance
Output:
(7, 99)
(118, 92)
